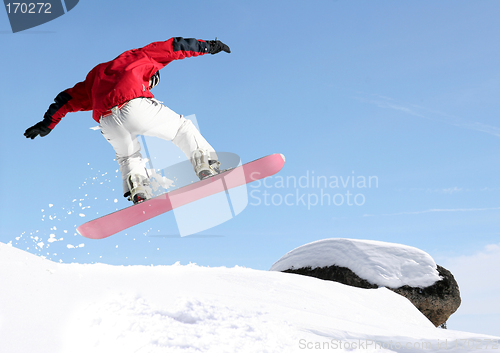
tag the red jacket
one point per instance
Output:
(117, 81)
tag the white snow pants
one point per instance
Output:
(147, 116)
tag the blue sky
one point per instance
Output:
(406, 92)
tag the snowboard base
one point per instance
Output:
(115, 222)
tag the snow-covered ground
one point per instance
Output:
(385, 264)
(52, 307)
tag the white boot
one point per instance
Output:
(203, 166)
(139, 188)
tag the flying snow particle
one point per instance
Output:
(53, 238)
(69, 246)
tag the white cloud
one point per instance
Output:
(444, 210)
(489, 189)
(450, 190)
(478, 278)
(421, 112)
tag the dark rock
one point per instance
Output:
(437, 302)
(335, 273)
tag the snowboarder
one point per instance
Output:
(119, 94)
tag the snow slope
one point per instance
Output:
(385, 264)
(51, 307)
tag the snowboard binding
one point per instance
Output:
(138, 186)
(204, 167)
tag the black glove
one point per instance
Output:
(37, 129)
(216, 46)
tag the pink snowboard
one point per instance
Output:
(115, 222)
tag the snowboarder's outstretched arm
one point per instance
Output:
(71, 100)
(177, 48)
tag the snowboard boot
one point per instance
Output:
(139, 188)
(204, 167)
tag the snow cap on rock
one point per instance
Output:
(384, 264)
